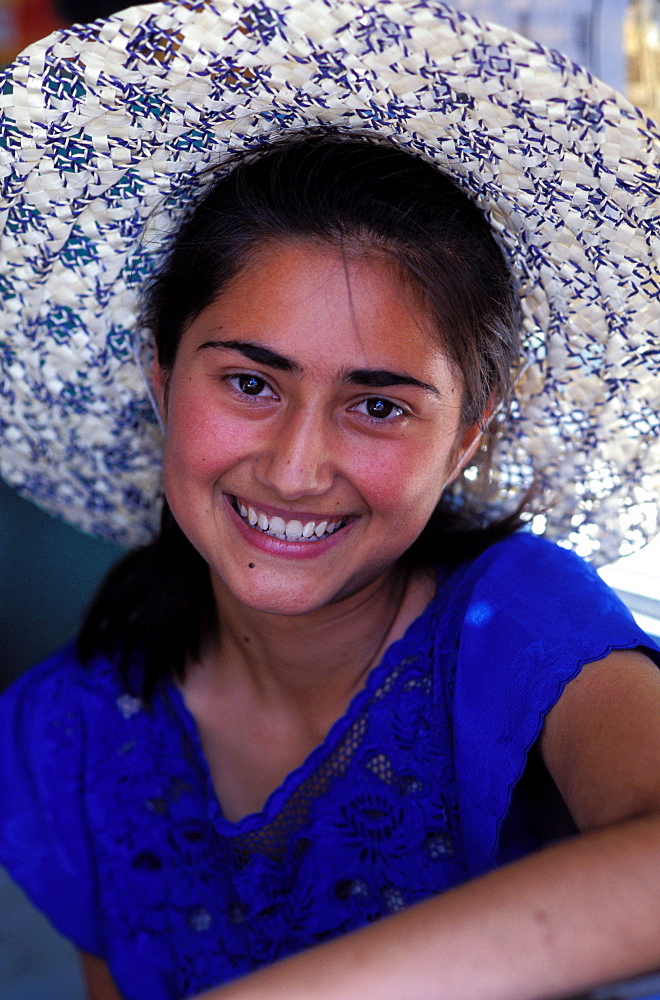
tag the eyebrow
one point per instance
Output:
(257, 353)
(377, 378)
(374, 378)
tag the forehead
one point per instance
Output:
(319, 306)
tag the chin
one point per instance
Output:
(290, 597)
(284, 605)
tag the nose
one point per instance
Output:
(297, 460)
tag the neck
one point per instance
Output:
(317, 661)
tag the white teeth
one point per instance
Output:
(292, 530)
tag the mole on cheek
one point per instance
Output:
(250, 565)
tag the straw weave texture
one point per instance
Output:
(104, 130)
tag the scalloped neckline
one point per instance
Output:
(278, 798)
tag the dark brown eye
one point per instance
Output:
(251, 385)
(380, 408)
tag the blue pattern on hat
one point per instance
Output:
(105, 129)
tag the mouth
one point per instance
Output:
(293, 530)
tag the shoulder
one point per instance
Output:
(539, 585)
(524, 554)
(62, 682)
(55, 720)
(527, 595)
(532, 616)
(61, 711)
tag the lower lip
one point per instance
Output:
(287, 550)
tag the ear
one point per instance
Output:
(160, 378)
(468, 441)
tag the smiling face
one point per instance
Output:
(311, 424)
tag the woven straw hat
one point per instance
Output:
(106, 128)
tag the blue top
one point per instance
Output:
(109, 820)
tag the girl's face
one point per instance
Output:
(312, 423)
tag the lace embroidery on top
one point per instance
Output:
(275, 838)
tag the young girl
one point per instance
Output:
(323, 694)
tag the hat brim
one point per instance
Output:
(107, 128)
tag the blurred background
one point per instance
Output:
(48, 571)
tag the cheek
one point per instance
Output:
(199, 442)
(188, 449)
(405, 480)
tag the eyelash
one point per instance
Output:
(235, 378)
(395, 413)
(391, 416)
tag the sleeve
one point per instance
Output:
(534, 616)
(43, 831)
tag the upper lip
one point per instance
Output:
(288, 514)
